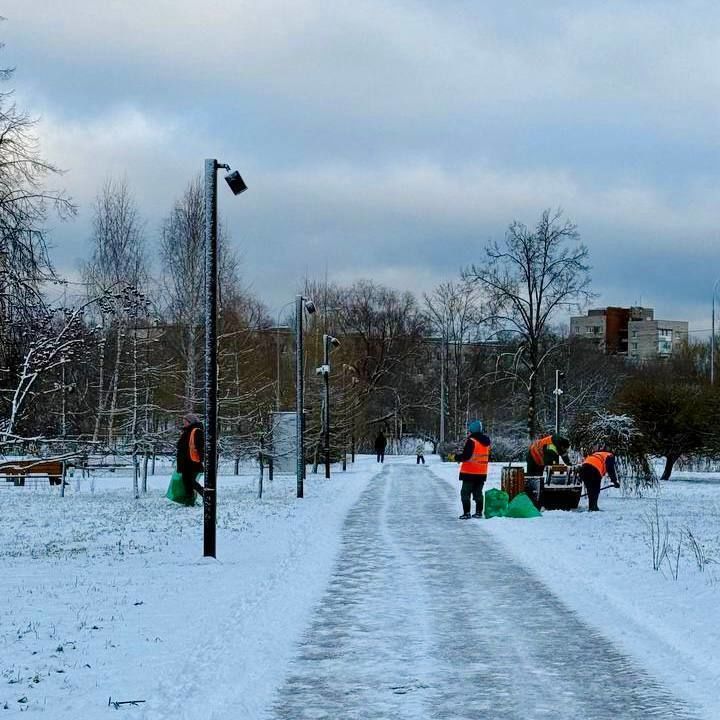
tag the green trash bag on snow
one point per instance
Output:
(176, 491)
(496, 503)
(521, 506)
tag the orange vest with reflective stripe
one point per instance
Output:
(192, 447)
(478, 463)
(598, 460)
(538, 447)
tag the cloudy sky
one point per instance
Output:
(392, 139)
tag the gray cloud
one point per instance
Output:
(392, 139)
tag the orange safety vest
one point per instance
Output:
(598, 460)
(478, 463)
(537, 448)
(192, 447)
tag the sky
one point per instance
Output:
(393, 140)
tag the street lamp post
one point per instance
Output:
(237, 185)
(442, 386)
(557, 392)
(301, 304)
(328, 340)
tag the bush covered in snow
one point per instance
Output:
(620, 435)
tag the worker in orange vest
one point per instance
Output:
(474, 461)
(190, 449)
(547, 450)
(593, 470)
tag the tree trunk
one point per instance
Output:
(101, 392)
(670, 461)
(115, 383)
(190, 367)
(531, 417)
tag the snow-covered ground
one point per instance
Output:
(108, 597)
(601, 565)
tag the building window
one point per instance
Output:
(634, 333)
(633, 346)
(665, 333)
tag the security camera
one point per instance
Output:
(334, 342)
(236, 183)
(310, 307)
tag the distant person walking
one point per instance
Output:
(420, 453)
(474, 461)
(547, 450)
(190, 449)
(592, 471)
(380, 445)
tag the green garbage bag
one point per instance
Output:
(521, 506)
(176, 491)
(496, 503)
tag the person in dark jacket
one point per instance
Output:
(380, 445)
(473, 461)
(592, 471)
(190, 451)
(548, 450)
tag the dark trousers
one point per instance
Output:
(591, 479)
(380, 455)
(472, 487)
(532, 467)
(191, 484)
(420, 459)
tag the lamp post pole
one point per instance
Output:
(237, 185)
(326, 387)
(442, 385)
(299, 411)
(277, 350)
(557, 393)
(211, 271)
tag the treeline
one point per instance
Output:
(116, 358)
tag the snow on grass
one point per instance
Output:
(108, 597)
(601, 565)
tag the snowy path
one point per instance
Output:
(425, 618)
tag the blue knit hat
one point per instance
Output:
(475, 426)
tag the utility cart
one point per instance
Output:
(559, 488)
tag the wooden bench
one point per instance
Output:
(17, 471)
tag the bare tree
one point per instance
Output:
(454, 312)
(528, 278)
(182, 254)
(24, 203)
(117, 269)
(61, 338)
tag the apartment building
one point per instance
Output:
(632, 331)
